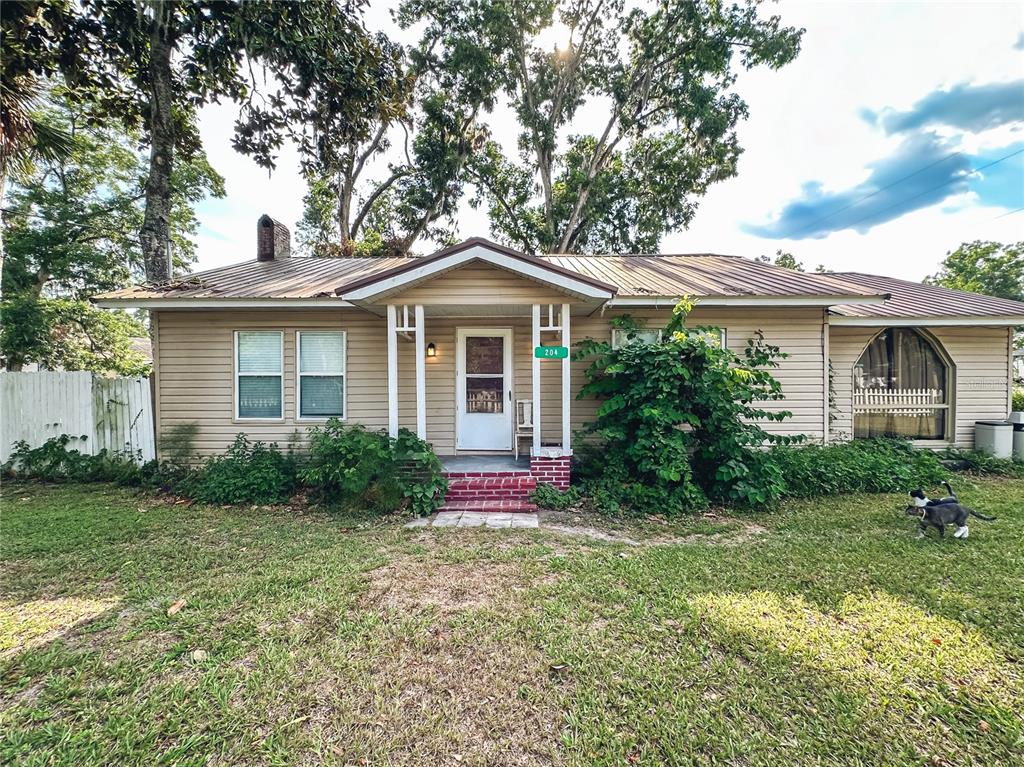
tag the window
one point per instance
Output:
(321, 372)
(900, 388)
(621, 337)
(259, 384)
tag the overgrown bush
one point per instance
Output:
(249, 472)
(350, 464)
(1018, 398)
(978, 462)
(550, 497)
(54, 462)
(860, 466)
(678, 422)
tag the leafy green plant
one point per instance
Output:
(978, 462)
(54, 462)
(678, 422)
(1018, 399)
(550, 497)
(860, 466)
(421, 474)
(249, 472)
(352, 464)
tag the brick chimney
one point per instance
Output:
(273, 240)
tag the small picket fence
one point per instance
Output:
(910, 402)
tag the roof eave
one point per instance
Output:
(911, 321)
(171, 302)
(752, 300)
(398, 278)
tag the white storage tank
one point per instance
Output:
(994, 438)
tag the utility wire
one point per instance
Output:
(932, 189)
(869, 196)
(1010, 213)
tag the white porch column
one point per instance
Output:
(421, 376)
(392, 371)
(535, 361)
(566, 382)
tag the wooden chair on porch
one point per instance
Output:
(524, 423)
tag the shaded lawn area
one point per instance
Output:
(833, 637)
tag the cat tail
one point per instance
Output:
(973, 513)
(949, 489)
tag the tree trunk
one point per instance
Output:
(155, 236)
(3, 188)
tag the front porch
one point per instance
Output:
(489, 385)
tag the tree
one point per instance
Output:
(644, 96)
(991, 268)
(72, 231)
(323, 79)
(648, 391)
(35, 45)
(785, 260)
(453, 78)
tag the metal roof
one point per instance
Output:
(636, 276)
(704, 274)
(912, 299)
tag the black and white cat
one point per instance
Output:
(942, 512)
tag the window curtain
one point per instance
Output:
(901, 361)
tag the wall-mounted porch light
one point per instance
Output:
(431, 350)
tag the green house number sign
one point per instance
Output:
(551, 352)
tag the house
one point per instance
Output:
(444, 345)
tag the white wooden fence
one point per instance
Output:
(115, 414)
(913, 402)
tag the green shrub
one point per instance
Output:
(420, 473)
(249, 472)
(53, 462)
(679, 423)
(978, 462)
(860, 466)
(550, 497)
(1018, 398)
(350, 464)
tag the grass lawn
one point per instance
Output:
(828, 635)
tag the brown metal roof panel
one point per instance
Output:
(912, 299)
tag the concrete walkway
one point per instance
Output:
(476, 519)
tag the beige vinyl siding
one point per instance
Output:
(795, 331)
(478, 284)
(981, 362)
(195, 369)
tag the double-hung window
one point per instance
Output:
(321, 374)
(259, 374)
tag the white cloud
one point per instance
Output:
(805, 124)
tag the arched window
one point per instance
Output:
(901, 388)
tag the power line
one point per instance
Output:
(869, 196)
(1004, 215)
(932, 189)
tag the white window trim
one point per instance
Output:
(238, 374)
(299, 374)
(949, 427)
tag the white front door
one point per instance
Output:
(483, 389)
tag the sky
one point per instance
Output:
(896, 134)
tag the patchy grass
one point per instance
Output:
(828, 636)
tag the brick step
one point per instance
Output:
(489, 488)
(517, 474)
(501, 506)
